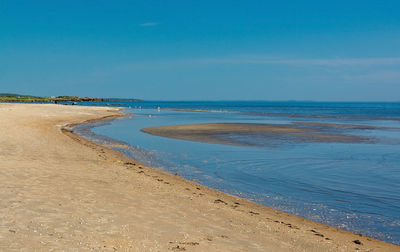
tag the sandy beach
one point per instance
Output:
(61, 192)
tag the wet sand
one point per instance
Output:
(219, 133)
(61, 192)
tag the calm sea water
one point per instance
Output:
(353, 186)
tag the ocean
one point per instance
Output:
(352, 185)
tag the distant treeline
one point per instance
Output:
(29, 98)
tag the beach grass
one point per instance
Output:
(29, 98)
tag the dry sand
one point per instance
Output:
(61, 192)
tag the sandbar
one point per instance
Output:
(219, 133)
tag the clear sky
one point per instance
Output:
(202, 50)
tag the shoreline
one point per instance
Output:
(212, 220)
(249, 202)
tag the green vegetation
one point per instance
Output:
(76, 98)
(28, 98)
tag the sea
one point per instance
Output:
(354, 186)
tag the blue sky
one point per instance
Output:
(202, 50)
